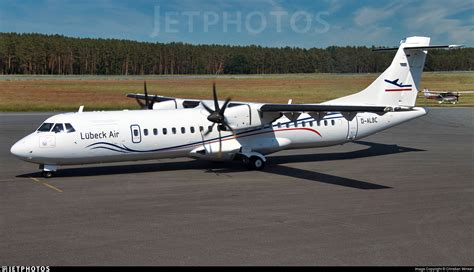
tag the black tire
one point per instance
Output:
(256, 163)
(48, 174)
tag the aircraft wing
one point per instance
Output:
(292, 111)
(185, 103)
(156, 98)
(283, 108)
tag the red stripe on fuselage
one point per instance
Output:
(308, 129)
(398, 90)
(277, 130)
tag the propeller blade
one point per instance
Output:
(219, 155)
(207, 108)
(216, 102)
(152, 102)
(146, 94)
(202, 138)
(225, 106)
(140, 103)
(230, 129)
(209, 130)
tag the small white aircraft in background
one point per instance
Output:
(224, 130)
(441, 97)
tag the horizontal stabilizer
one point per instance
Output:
(451, 46)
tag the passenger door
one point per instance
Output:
(136, 134)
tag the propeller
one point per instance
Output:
(148, 104)
(217, 116)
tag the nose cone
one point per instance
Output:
(18, 149)
(23, 148)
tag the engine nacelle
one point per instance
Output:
(175, 104)
(166, 105)
(248, 115)
(238, 117)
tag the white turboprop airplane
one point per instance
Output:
(245, 131)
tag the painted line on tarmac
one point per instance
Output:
(46, 184)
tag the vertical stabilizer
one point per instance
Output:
(398, 84)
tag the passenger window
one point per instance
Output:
(58, 128)
(145, 132)
(287, 125)
(183, 130)
(165, 131)
(310, 123)
(45, 127)
(304, 124)
(318, 123)
(173, 130)
(333, 122)
(210, 128)
(69, 128)
(325, 122)
(135, 132)
(155, 131)
(192, 129)
(201, 128)
(296, 123)
(279, 125)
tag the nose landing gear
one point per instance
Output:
(48, 174)
(48, 170)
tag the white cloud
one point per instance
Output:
(369, 15)
(439, 19)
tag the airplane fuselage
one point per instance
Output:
(114, 136)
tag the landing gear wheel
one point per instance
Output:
(48, 174)
(256, 163)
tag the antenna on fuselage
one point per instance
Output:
(81, 109)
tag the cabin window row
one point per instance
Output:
(166, 131)
(310, 123)
(192, 130)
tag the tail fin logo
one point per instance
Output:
(401, 87)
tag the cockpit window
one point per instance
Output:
(69, 128)
(58, 128)
(45, 127)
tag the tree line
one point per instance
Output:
(60, 55)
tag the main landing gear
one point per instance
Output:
(253, 160)
(48, 170)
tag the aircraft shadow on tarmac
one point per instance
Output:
(274, 166)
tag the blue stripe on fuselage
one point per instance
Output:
(126, 149)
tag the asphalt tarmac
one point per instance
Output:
(401, 197)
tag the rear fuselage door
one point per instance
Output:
(136, 134)
(352, 129)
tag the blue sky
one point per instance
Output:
(302, 23)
